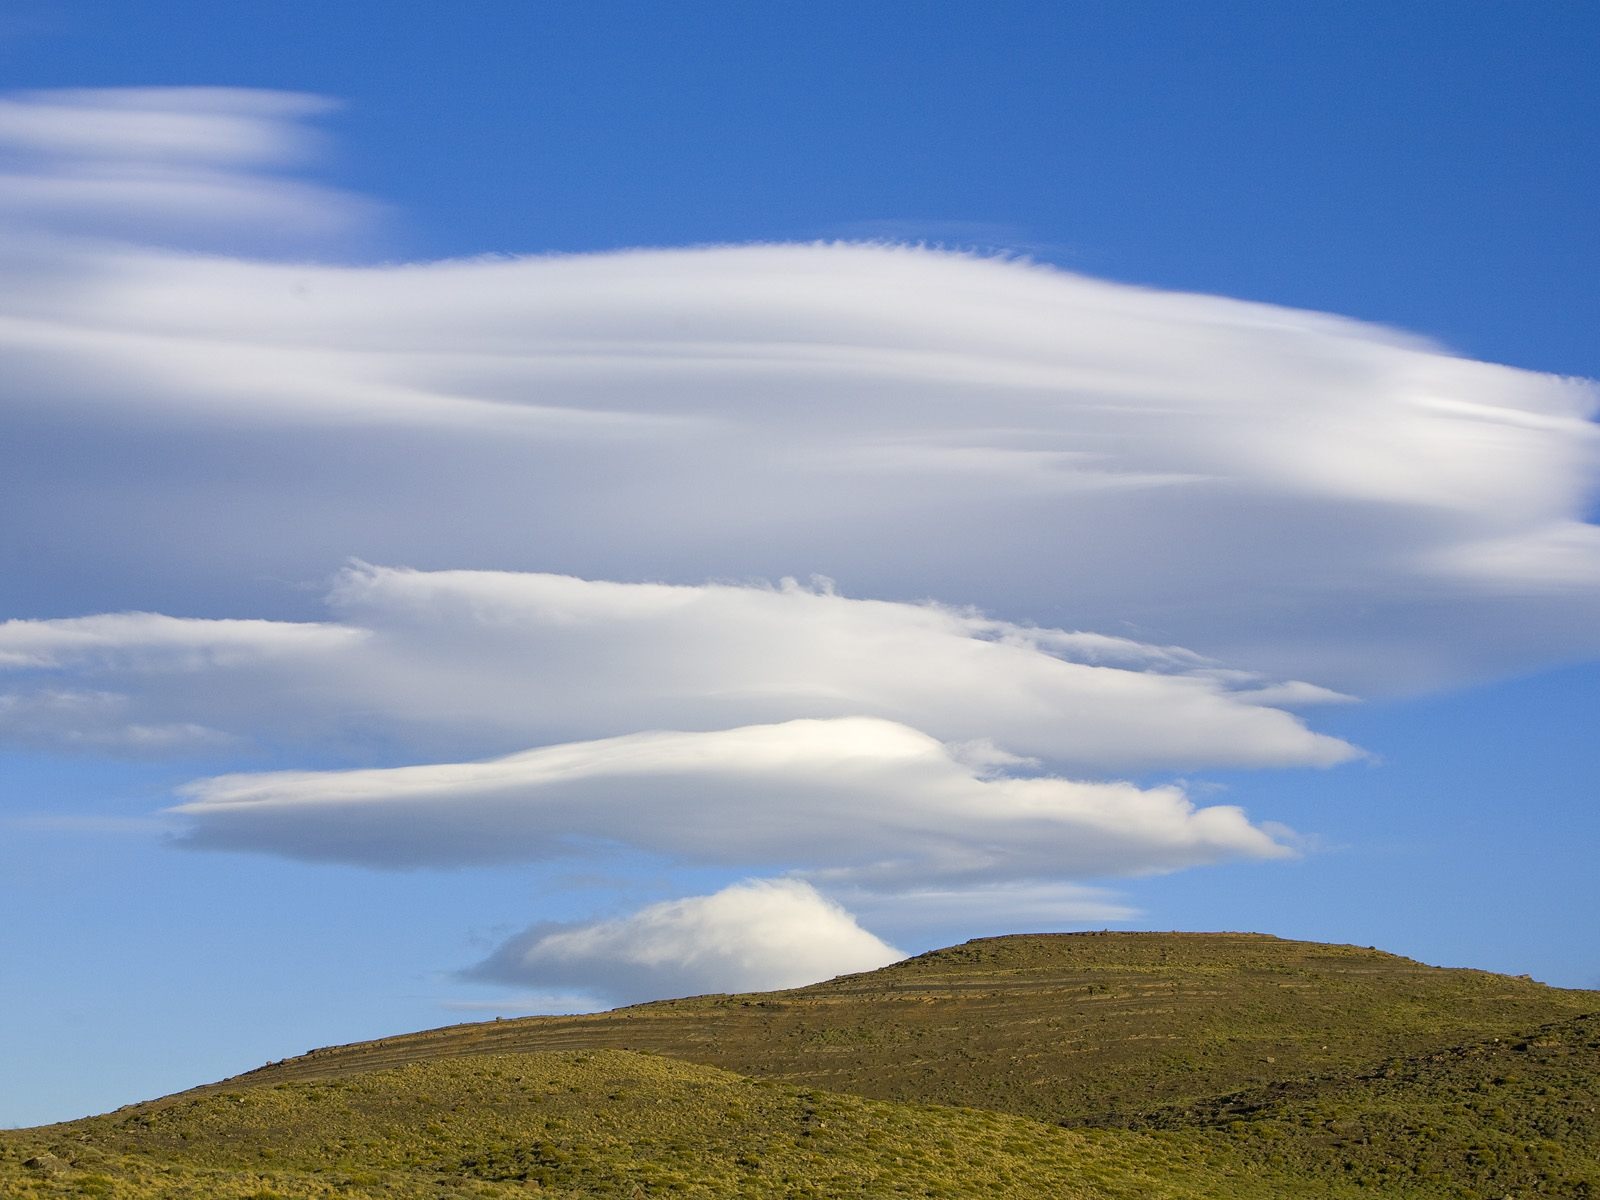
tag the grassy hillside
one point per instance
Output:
(1088, 1065)
(1068, 1028)
(601, 1124)
(1498, 1117)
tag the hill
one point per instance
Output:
(1077, 1028)
(1085, 1065)
(593, 1124)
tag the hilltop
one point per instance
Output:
(1074, 1028)
(1071, 1065)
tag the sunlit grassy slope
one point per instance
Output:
(1074, 1028)
(1111, 1065)
(604, 1123)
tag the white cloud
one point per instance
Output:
(879, 745)
(863, 800)
(752, 936)
(574, 658)
(163, 160)
(472, 662)
(162, 671)
(153, 642)
(220, 126)
(1280, 490)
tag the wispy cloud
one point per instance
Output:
(164, 161)
(150, 641)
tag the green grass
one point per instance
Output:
(1196, 1067)
(1084, 1029)
(1503, 1116)
(601, 1124)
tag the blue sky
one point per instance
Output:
(258, 342)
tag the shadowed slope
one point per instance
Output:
(1503, 1116)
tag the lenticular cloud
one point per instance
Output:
(868, 799)
(903, 743)
(1250, 509)
(1280, 490)
(478, 662)
(1284, 491)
